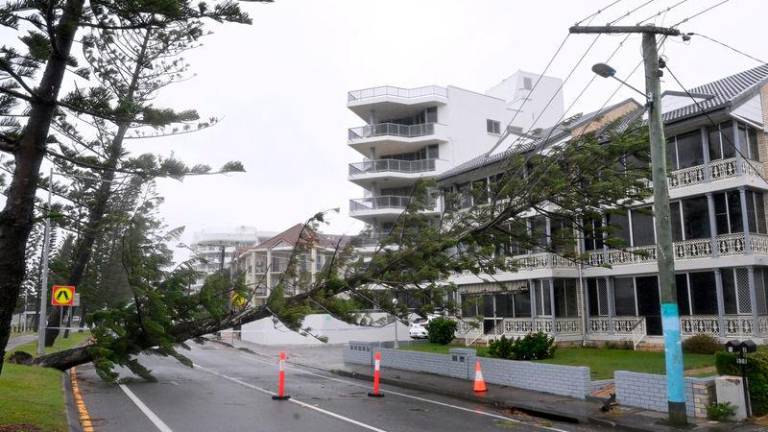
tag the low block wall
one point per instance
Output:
(649, 391)
(570, 381)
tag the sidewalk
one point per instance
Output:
(15, 341)
(540, 404)
(329, 358)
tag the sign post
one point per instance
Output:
(62, 295)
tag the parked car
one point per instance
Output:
(418, 328)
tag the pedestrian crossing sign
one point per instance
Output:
(62, 295)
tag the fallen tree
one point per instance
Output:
(573, 183)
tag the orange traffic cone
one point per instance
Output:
(479, 381)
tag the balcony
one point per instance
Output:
(383, 207)
(396, 93)
(398, 138)
(717, 170)
(393, 170)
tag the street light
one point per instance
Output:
(394, 306)
(606, 71)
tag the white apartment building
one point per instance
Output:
(209, 245)
(421, 132)
(717, 151)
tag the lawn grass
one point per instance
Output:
(33, 395)
(602, 362)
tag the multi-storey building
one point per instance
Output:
(210, 247)
(420, 132)
(717, 151)
(264, 264)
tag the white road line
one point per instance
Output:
(293, 400)
(159, 424)
(405, 395)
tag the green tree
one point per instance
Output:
(33, 78)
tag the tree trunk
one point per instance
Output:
(16, 219)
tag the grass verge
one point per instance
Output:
(602, 362)
(33, 396)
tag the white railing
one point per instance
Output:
(717, 169)
(544, 260)
(735, 325)
(385, 202)
(620, 325)
(699, 248)
(392, 165)
(391, 129)
(730, 244)
(632, 255)
(469, 330)
(406, 93)
(759, 243)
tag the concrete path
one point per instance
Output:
(19, 340)
(230, 390)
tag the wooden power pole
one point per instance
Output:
(669, 310)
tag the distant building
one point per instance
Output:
(263, 265)
(421, 132)
(208, 246)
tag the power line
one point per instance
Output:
(631, 12)
(700, 13)
(712, 122)
(663, 11)
(598, 12)
(729, 47)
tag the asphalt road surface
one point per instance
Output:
(230, 390)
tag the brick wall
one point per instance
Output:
(570, 381)
(649, 391)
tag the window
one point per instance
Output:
(681, 286)
(480, 191)
(566, 302)
(433, 152)
(721, 144)
(619, 227)
(703, 293)
(598, 297)
(593, 235)
(748, 140)
(431, 115)
(728, 212)
(539, 232)
(756, 212)
(527, 83)
(541, 291)
(624, 296)
(696, 217)
(562, 235)
(689, 150)
(493, 126)
(642, 227)
(729, 292)
(522, 304)
(469, 304)
(676, 220)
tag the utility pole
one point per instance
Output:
(44, 276)
(669, 310)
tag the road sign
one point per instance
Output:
(239, 300)
(62, 295)
(76, 300)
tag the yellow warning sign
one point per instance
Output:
(62, 295)
(239, 300)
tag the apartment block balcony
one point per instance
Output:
(394, 171)
(720, 170)
(391, 99)
(393, 138)
(382, 207)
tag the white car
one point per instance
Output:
(418, 329)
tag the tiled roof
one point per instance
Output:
(721, 93)
(547, 136)
(291, 237)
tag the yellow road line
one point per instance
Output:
(85, 418)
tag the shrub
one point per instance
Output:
(533, 346)
(757, 374)
(501, 348)
(620, 345)
(441, 330)
(702, 344)
(720, 411)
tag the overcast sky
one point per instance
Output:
(280, 86)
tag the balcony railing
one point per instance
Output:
(399, 92)
(391, 129)
(544, 260)
(735, 325)
(716, 170)
(392, 165)
(384, 202)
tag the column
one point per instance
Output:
(611, 303)
(705, 149)
(739, 147)
(552, 302)
(753, 302)
(745, 220)
(720, 302)
(585, 305)
(712, 224)
(532, 295)
(548, 231)
(313, 264)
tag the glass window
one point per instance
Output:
(715, 143)
(729, 145)
(488, 305)
(433, 152)
(696, 217)
(642, 227)
(743, 142)
(703, 293)
(562, 235)
(760, 211)
(729, 292)
(624, 296)
(721, 214)
(681, 286)
(527, 83)
(539, 232)
(469, 304)
(431, 115)
(565, 298)
(671, 154)
(594, 297)
(593, 236)
(676, 220)
(503, 305)
(734, 211)
(619, 223)
(754, 152)
(689, 150)
(493, 126)
(543, 299)
(522, 304)
(751, 216)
